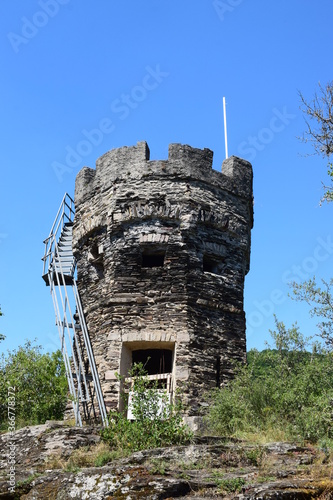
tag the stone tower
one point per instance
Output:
(162, 250)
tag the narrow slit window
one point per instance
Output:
(218, 371)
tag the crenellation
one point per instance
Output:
(184, 163)
(180, 153)
(162, 251)
(84, 183)
(241, 173)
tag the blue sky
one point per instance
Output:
(71, 67)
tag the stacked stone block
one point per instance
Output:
(162, 250)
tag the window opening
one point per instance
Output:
(212, 265)
(155, 361)
(153, 259)
(95, 257)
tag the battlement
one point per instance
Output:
(186, 162)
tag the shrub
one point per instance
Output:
(157, 422)
(284, 391)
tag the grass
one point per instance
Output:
(29, 480)
(87, 456)
(158, 467)
(233, 485)
(269, 435)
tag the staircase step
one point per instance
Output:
(70, 325)
(64, 267)
(68, 279)
(65, 246)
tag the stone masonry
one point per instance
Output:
(162, 250)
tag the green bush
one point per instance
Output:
(37, 384)
(286, 390)
(154, 426)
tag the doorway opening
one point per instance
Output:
(158, 361)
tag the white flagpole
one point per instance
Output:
(225, 129)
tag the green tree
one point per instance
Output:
(39, 383)
(319, 122)
(321, 302)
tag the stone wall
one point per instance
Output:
(162, 251)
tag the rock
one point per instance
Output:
(208, 468)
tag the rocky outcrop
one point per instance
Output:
(208, 468)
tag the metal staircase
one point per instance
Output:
(59, 269)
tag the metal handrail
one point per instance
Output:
(53, 268)
(61, 208)
(57, 227)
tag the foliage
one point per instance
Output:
(38, 382)
(157, 422)
(287, 390)
(233, 485)
(319, 121)
(321, 301)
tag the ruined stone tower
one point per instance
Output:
(162, 250)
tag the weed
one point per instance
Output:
(158, 467)
(70, 467)
(233, 485)
(255, 455)
(29, 480)
(104, 457)
(183, 475)
(265, 479)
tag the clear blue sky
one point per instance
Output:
(68, 67)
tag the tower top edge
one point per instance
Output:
(183, 161)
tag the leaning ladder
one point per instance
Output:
(59, 269)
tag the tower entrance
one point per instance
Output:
(158, 360)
